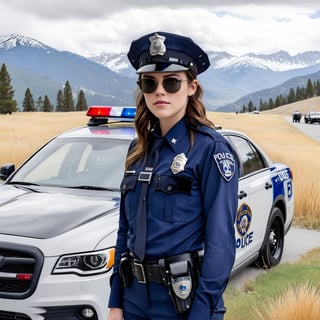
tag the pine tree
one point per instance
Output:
(68, 103)
(59, 105)
(291, 96)
(39, 104)
(28, 102)
(309, 89)
(47, 106)
(7, 102)
(251, 106)
(81, 102)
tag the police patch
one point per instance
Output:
(243, 219)
(226, 164)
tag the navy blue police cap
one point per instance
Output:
(167, 52)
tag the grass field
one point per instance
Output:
(290, 291)
(22, 133)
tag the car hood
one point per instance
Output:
(34, 214)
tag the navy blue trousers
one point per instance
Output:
(152, 302)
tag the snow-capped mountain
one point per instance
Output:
(14, 40)
(44, 70)
(231, 77)
(109, 78)
(278, 62)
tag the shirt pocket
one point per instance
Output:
(173, 198)
(127, 188)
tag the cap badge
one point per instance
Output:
(178, 163)
(157, 46)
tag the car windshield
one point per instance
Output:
(76, 163)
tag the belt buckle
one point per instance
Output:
(139, 272)
(145, 176)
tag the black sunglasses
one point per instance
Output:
(171, 85)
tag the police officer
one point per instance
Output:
(176, 244)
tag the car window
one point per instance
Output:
(249, 157)
(77, 162)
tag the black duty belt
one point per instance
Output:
(156, 271)
(148, 272)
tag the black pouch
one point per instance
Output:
(125, 270)
(181, 280)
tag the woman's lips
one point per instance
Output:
(161, 103)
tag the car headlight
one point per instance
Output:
(85, 263)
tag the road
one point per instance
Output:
(298, 242)
(311, 130)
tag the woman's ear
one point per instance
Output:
(192, 88)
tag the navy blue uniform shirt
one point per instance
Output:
(189, 210)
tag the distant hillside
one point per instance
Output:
(303, 106)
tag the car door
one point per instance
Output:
(255, 199)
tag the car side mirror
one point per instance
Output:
(6, 170)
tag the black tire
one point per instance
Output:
(272, 249)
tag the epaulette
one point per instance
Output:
(210, 132)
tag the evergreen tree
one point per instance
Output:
(39, 104)
(68, 103)
(28, 102)
(7, 102)
(317, 88)
(59, 105)
(47, 106)
(309, 89)
(251, 106)
(291, 96)
(81, 102)
(270, 104)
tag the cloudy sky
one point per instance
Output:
(238, 27)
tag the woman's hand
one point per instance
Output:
(115, 314)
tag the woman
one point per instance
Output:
(176, 244)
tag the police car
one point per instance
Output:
(59, 217)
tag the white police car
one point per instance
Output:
(59, 217)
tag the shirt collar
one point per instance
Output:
(176, 134)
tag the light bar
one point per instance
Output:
(111, 112)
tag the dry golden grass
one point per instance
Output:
(22, 133)
(296, 303)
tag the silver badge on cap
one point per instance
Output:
(157, 46)
(178, 163)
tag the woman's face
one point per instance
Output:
(168, 107)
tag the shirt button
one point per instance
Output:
(169, 188)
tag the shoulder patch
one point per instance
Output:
(226, 164)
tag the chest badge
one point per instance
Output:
(178, 163)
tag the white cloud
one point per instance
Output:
(91, 27)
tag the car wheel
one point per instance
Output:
(272, 249)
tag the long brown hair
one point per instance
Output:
(145, 121)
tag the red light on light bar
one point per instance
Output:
(111, 112)
(24, 276)
(99, 111)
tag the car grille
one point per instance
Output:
(20, 268)
(4, 315)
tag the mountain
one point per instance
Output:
(109, 78)
(231, 77)
(265, 94)
(44, 70)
